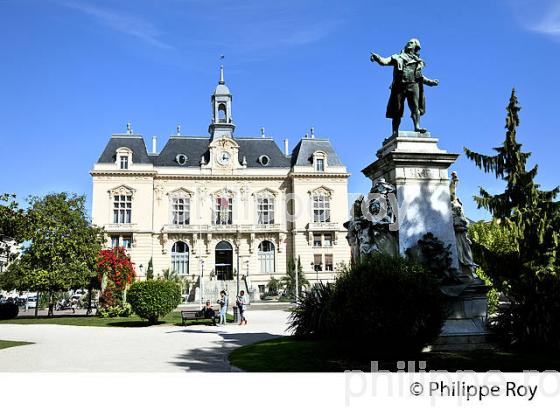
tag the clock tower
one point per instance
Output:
(222, 123)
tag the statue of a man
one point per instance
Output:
(408, 84)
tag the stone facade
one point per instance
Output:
(220, 205)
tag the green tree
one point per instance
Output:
(150, 270)
(289, 280)
(62, 250)
(13, 219)
(525, 271)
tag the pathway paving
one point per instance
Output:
(164, 348)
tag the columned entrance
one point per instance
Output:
(224, 261)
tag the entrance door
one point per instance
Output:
(224, 261)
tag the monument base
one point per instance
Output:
(465, 327)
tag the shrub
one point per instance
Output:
(114, 311)
(151, 299)
(8, 311)
(385, 304)
(310, 317)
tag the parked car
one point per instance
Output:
(31, 302)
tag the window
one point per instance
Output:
(265, 211)
(264, 160)
(321, 208)
(122, 209)
(127, 242)
(114, 241)
(181, 211)
(266, 257)
(328, 263)
(124, 161)
(317, 262)
(180, 258)
(319, 164)
(223, 211)
(181, 159)
(327, 242)
(317, 240)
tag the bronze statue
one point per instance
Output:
(408, 84)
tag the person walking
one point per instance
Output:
(223, 301)
(241, 305)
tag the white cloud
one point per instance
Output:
(124, 23)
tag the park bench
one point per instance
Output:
(195, 315)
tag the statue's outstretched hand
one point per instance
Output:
(375, 57)
(433, 83)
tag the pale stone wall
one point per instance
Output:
(152, 189)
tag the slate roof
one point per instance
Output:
(134, 142)
(303, 152)
(195, 147)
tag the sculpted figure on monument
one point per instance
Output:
(372, 233)
(408, 84)
(460, 223)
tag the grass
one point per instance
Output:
(4, 344)
(291, 354)
(173, 318)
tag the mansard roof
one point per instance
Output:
(134, 142)
(252, 148)
(303, 152)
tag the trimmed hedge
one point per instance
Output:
(152, 299)
(8, 311)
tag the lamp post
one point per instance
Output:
(202, 282)
(238, 284)
(141, 270)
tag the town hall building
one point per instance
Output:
(217, 207)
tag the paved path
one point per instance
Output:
(161, 348)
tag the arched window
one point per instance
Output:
(266, 257)
(224, 261)
(222, 113)
(180, 258)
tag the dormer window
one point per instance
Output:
(123, 162)
(123, 158)
(319, 161)
(264, 160)
(181, 159)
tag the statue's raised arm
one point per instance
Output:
(380, 60)
(408, 84)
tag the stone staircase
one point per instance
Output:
(213, 287)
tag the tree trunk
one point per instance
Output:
(51, 305)
(88, 311)
(37, 304)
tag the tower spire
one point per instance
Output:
(222, 74)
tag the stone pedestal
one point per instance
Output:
(417, 167)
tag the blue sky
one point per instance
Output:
(73, 72)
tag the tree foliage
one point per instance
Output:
(521, 257)
(289, 280)
(152, 299)
(62, 247)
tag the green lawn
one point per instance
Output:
(290, 354)
(4, 344)
(174, 318)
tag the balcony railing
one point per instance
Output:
(170, 228)
(120, 227)
(323, 226)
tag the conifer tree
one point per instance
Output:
(528, 275)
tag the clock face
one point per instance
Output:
(224, 157)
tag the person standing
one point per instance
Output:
(223, 301)
(241, 305)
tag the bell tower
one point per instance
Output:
(222, 123)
